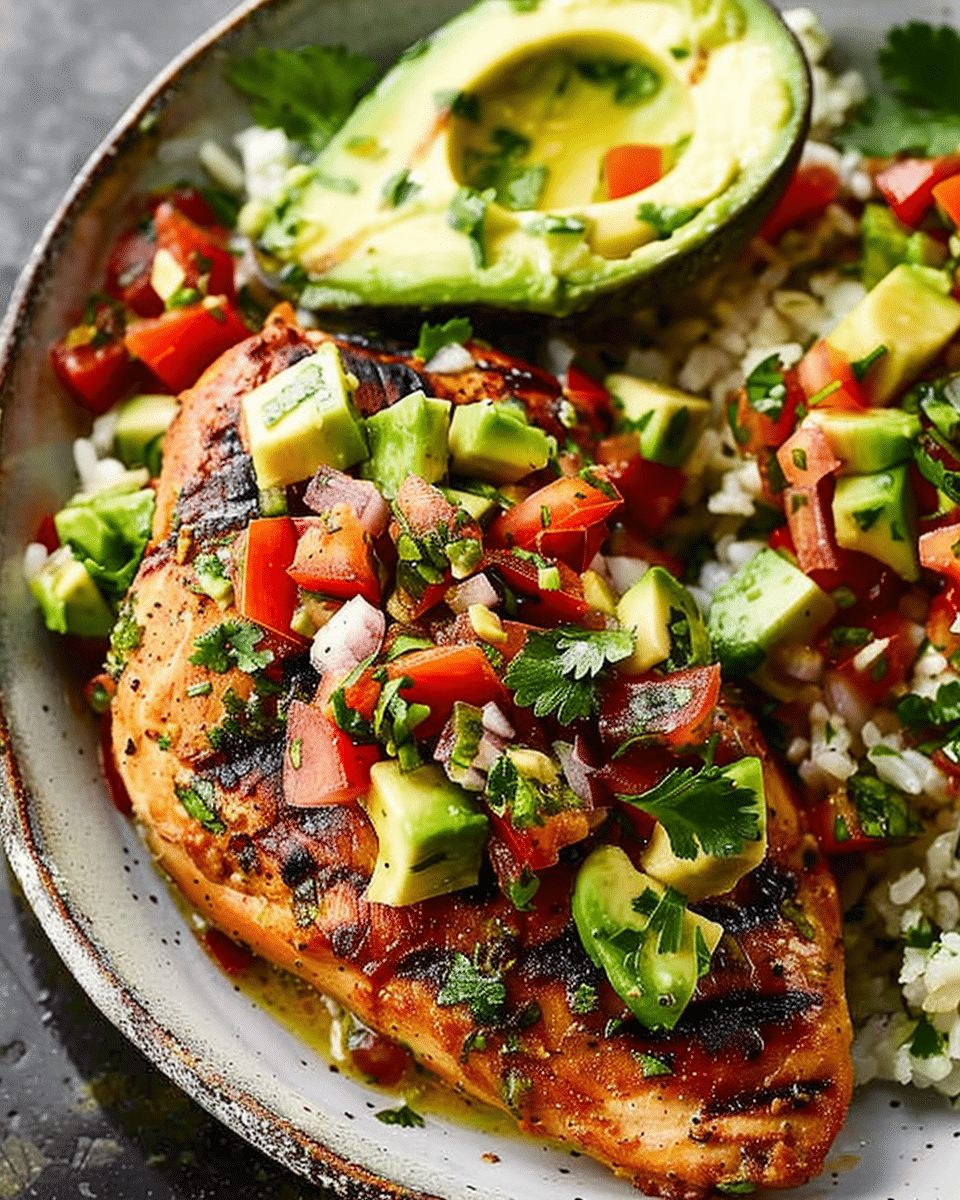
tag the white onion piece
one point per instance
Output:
(34, 558)
(352, 634)
(496, 723)
(624, 572)
(330, 487)
(450, 359)
(476, 590)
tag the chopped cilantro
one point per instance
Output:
(125, 637)
(465, 105)
(467, 214)
(921, 65)
(547, 223)
(765, 388)
(435, 337)
(399, 188)
(930, 466)
(557, 670)
(404, 1116)
(632, 81)
(882, 809)
(486, 994)
(705, 810)
(926, 1040)
(666, 219)
(651, 1066)
(849, 637)
(231, 645)
(199, 799)
(307, 93)
(584, 999)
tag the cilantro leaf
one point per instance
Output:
(199, 799)
(435, 337)
(930, 466)
(921, 64)
(307, 93)
(556, 671)
(231, 645)
(485, 994)
(467, 214)
(766, 390)
(706, 810)
(926, 1041)
(404, 1116)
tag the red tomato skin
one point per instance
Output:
(805, 457)
(96, 377)
(810, 522)
(561, 606)
(946, 196)
(874, 683)
(179, 345)
(267, 594)
(651, 491)
(199, 252)
(539, 846)
(687, 725)
(228, 954)
(379, 1058)
(943, 613)
(823, 365)
(108, 766)
(940, 551)
(566, 505)
(334, 557)
(443, 675)
(907, 185)
(332, 768)
(630, 168)
(129, 270)
(810, 190)
(47, 534)
(756, 431)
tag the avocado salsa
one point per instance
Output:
(552, 581)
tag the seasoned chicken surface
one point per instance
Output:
(753, 1083)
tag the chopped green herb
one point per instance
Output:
(457, 330)
(651, 1067)
(404, 1116)
(666, 219)
(231, 645)
(199, 799)
(399, 188)
(467, 213)
(557, 670)
(584, 999)
(633, 82)
(766, 389)
(486, 994)
(200, 689)
(125, 637)
(926, 1040)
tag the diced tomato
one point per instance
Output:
(268, 595)
(362, 695)
(542, 606)
(47, 534)
(564, 520)
(189, 201)
(379, 1058)
(946, 196)
(129, 269)
(538, 846)
(827, 379)
(943, 615)
(206, 263)
(940, 551)
(842, 828)
(108, 766)
(93, 365)
(334, 557)
(811, 526)
(574, 547)
(589, 397)
(889, 669)
(650, 490)
(321, 764)
(810, 190)
(907, 185)
(672, 710)
(179, 345)
(806, 457)
(755, 431)
(631, 168)
(619, 447)
(229, 955)
(443, 675)
(928, 498)
(461, 632)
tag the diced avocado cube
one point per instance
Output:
(68, 597)
(431, 834)
(616, 910)
(666, 624)
(302, 418)
(669, 422)
(492, 441)
(480, 508)
(712, 874)
(768, 600)
(88, 534)
(141, 424)
(911, 312)
(876, 514)
(408, 438)
(888, 242)
(870, 441)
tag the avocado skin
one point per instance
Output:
(722, 226)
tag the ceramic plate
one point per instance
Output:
(84, 871)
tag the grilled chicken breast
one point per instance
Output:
(750, 1086)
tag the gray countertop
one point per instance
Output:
(82, 1114)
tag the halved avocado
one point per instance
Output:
(474, 172)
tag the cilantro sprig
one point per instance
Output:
(704, 810)
(486, 994)
(766, 389)
(921, 65)
(231, 644)
(557, 671)
(435, 337)
(307, 93)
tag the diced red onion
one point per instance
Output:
(496, 723)
(476, 590)
(350, 636)
(576, 772)
(330, 487)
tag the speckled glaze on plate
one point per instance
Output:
(81, 865)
